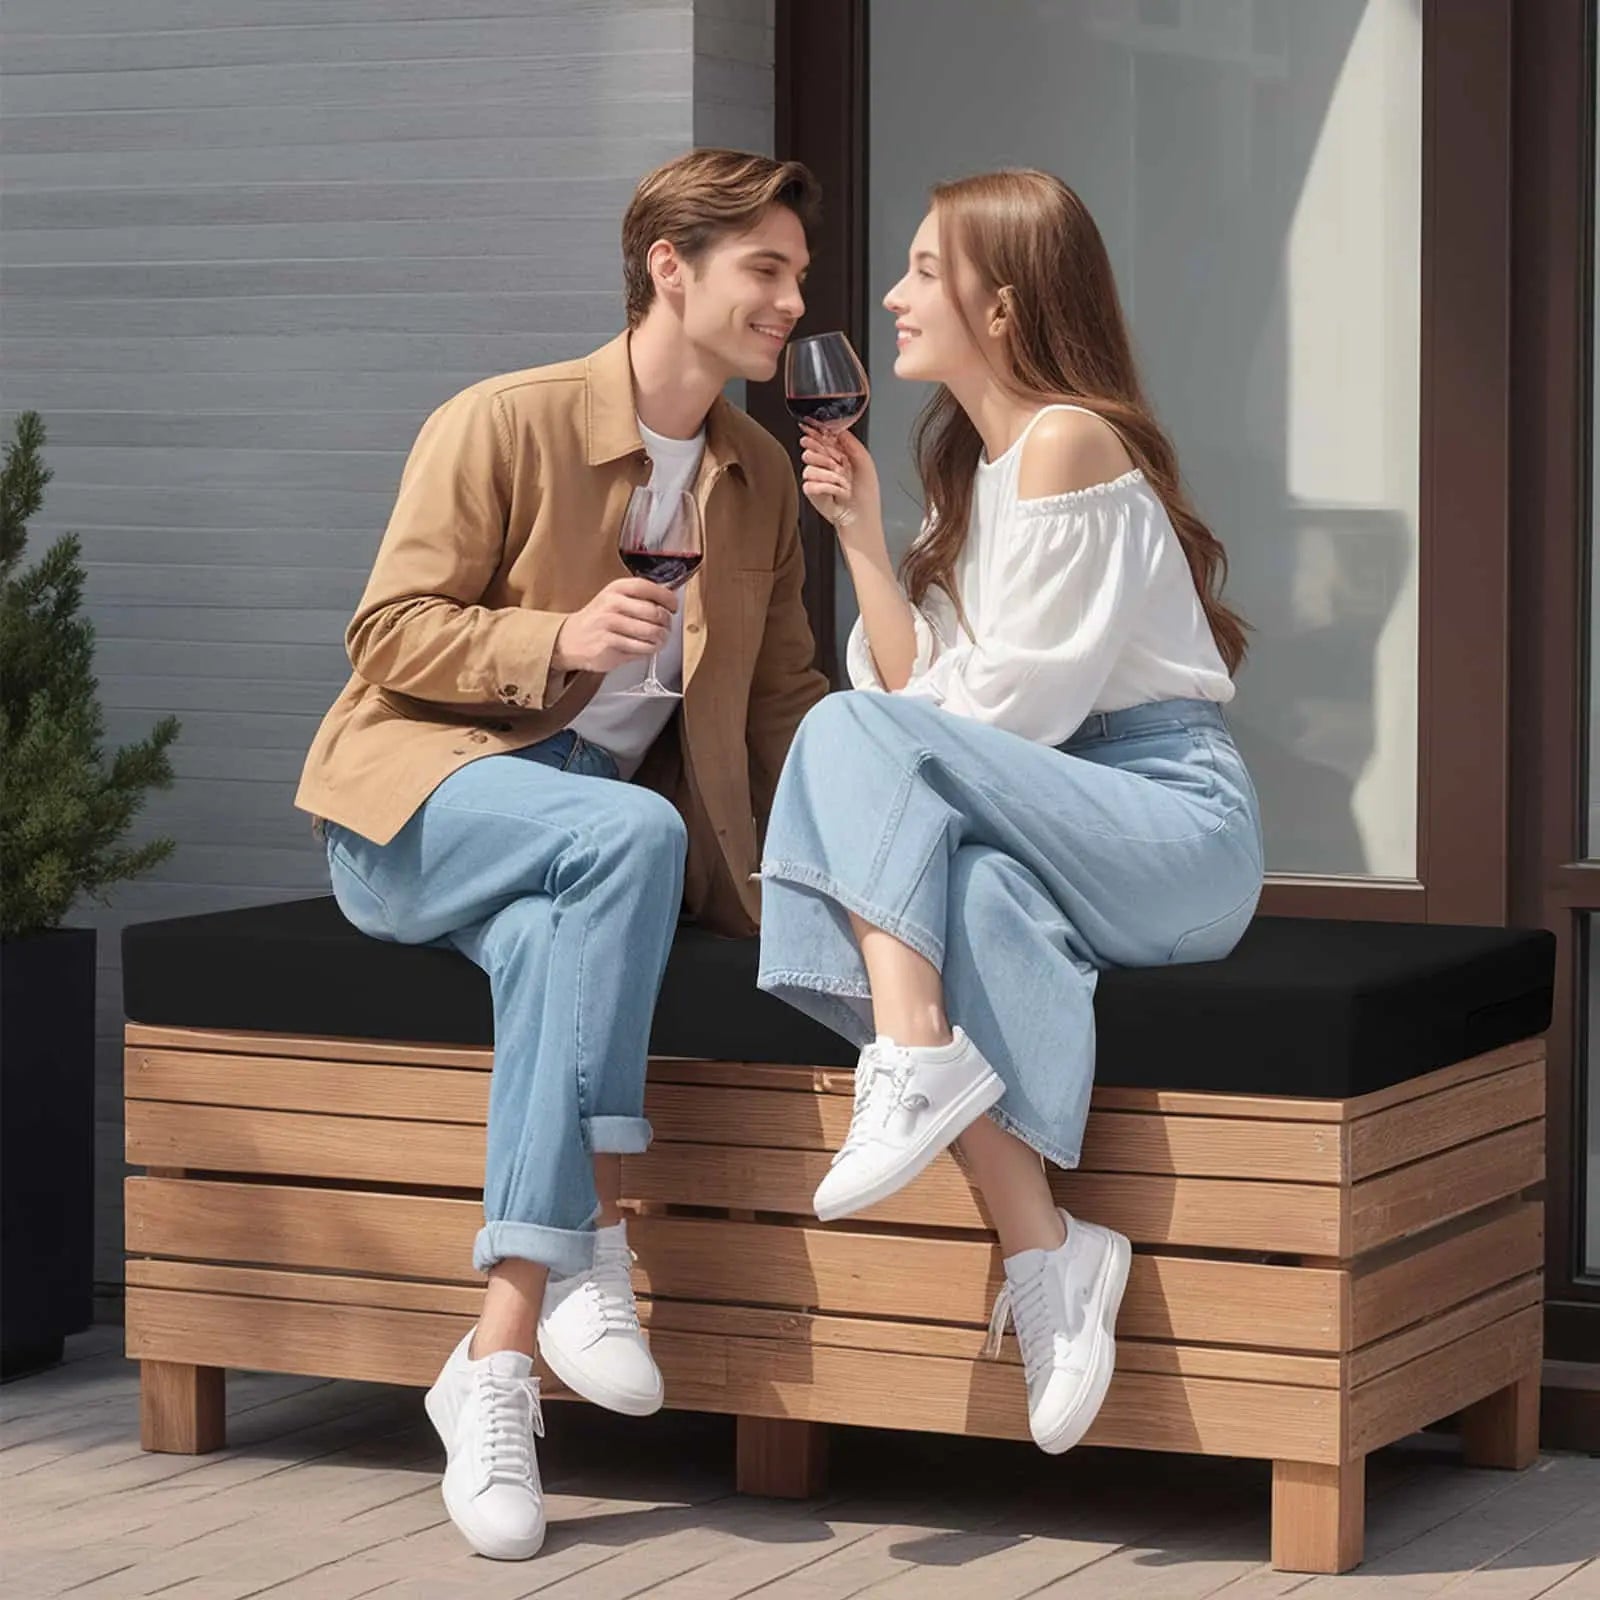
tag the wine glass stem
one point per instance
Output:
(651, 680)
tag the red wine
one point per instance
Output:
(670, 568)
(828, 410)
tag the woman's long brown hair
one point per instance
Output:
(1027, 234)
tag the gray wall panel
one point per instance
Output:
(245, 247)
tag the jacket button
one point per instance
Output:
(694, 627)
(509, 690)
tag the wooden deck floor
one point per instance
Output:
(330, 1490)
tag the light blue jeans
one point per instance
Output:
(564, 884)
(1017, 869)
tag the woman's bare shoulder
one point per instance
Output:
(1070, 450)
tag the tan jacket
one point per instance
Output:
(506, 522)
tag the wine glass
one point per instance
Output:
(824, 383)
(660, 540)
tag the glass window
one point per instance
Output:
(1255, 166)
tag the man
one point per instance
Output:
(486, 781)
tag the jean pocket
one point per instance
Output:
(556, 751)
(1213, 940)
(364, 908)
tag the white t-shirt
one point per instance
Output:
(627, 725)
(1079, 602)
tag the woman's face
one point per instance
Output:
(933, 343)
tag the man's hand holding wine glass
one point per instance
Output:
(626, 621)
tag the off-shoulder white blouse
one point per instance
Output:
(1080, 602)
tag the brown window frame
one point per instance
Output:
(1552, 884)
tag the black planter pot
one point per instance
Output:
(46, 1144)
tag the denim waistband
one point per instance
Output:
(571, 752)
(1153, 717)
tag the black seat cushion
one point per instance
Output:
(1301, 1007)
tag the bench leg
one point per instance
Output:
(781, 1458)
(1318, 1515)
(1502, 1429)
(181, 1409)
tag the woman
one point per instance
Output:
(1035, 780)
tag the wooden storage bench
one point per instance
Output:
(1316, 1273)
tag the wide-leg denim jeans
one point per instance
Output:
(1017, 869)
(563, 884)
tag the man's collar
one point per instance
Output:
(613, 420)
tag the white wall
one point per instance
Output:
(246, 246)
(1255, 166)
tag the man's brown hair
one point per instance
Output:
(697, 199)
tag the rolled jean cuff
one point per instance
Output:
(565, 1251)
(618, 1136)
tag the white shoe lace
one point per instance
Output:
(875, 1105)
(509, 1419)
(1040, 1332)
(608, 1288)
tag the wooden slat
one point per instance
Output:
(287, 1083)
(1444, 1380)
(1410, 1283)
(722, 1321)
(753, 1075)
(680, 1070)
(369, 1343)
(226, 1041)
(1115, 1141)
(838, 1080)
(1215, 1212)
(1148, 1411)
(336, 1230)
(966, 1344)
(666, 1069)
(1482, 1066)
(1383, 1355)
(1170, 1298)
(322, 1288)
(1425, 1193)
(1212, 1146)
(1181, 1298)
(1440, 1121)
(295, 1144)
(841, 1081)
(755, 1377)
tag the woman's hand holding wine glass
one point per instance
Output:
(826, 388)
(840, 478)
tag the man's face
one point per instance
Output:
(742, 298)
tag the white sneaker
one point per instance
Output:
(910, 1104)
(487, 1413)
(1065, 1304)
(589, 1332)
